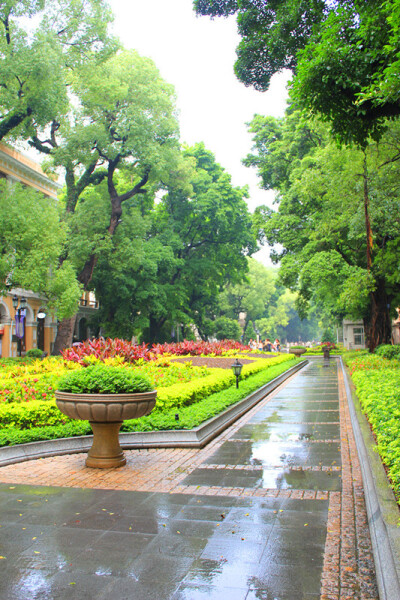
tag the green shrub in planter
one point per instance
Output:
(34, 353)
(104, 379)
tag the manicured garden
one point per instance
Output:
(187, 395)
(377, 381)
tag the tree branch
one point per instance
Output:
(12, 121)
(138, 189)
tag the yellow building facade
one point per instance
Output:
(39, 327)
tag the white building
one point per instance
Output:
(353, 334)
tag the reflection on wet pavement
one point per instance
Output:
(61, 543)
(292, 442)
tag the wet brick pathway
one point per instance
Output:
(272, 509)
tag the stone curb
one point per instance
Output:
(382, 508)
(192, 438)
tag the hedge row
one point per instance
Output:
(377, 382)
(183, 394)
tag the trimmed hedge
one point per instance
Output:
(377, 382)
(183, 394)
(318, 350)
(195, 414)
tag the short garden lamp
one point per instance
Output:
(19, 305)
(237, 369)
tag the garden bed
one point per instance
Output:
(217, 362)
(196, 437)
(190, 390)
(377, 384)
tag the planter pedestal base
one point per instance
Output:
(106, 452)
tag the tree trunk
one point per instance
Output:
(379, 327)
(85, 276)
(65, 332)
(368, 230)
(155, 326)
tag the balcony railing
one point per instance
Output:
(88, 303)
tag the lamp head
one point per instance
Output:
(41, 314)
(237, 368)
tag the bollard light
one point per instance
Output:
(237, 369)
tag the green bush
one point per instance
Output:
(103, 379)
(379, 395)
(377, 382)
(388, 351)
(30, 414)
(34, 353)
(13, 437)
(227, 329)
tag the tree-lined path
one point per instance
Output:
(272, 508)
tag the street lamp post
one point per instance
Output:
(19, 305)
(40, 318)
(237, 369)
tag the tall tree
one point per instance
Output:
(252, 296)
(31, 261)
(337, 218)
(196, 240)
(123, 120)
(41, 43)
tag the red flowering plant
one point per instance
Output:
(103, 349)
(330, 345)
(198, 348)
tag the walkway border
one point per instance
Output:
(191, 438)
(382, 508)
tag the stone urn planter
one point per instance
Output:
(326, 352)
(297, 351)
(104, 411)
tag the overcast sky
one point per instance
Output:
(196, 55)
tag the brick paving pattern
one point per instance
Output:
(294, 435)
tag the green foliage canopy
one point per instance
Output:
(178, 253)
(344, 56)
(41, 42)
(320, 221)
(27, 259)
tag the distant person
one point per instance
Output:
(277, 345)
(268, 345)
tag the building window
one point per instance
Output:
(358, 336)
